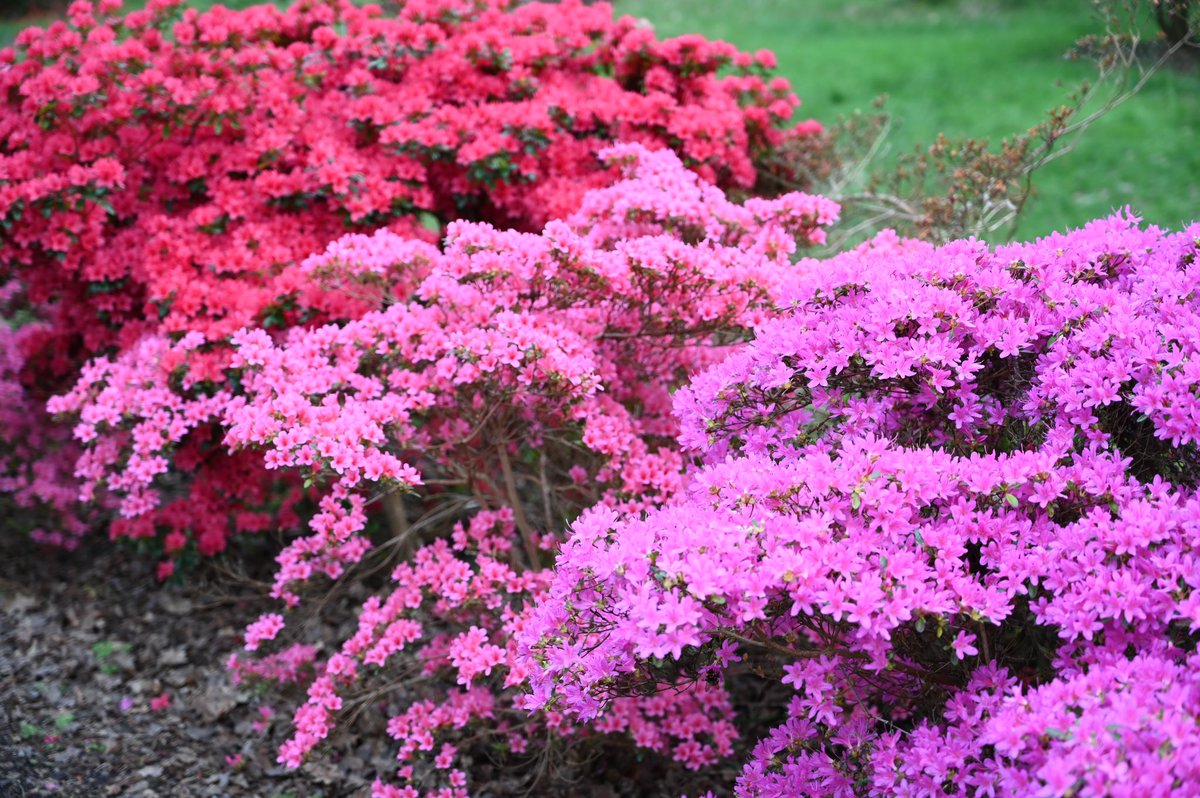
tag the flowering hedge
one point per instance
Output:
(949, 502)
(943, 505)
(502, 385)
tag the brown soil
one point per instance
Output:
(87, 640)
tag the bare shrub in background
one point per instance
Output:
(957, 188)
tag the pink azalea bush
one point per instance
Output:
(947, 502)
(503, 384)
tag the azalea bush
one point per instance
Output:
(947, 503)
(501, 385)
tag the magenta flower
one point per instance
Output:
(964, 646)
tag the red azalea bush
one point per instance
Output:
(503, 385)
(948, 503)
(170, 169)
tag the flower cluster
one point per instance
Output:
(569, 329)
(949, 502)
(150, 429)
(528, 376)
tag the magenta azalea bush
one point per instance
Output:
(948, 501)
(38, 496)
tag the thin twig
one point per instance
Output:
(514, 501)
(843, 653)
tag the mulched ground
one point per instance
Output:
(89, 639)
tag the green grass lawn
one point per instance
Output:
(983, 68)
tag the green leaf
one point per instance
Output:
(1011, 499)
(855, 501)
(430, 222)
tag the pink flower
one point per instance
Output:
(265, 628)
(964, 646)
